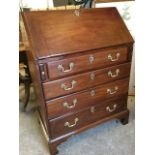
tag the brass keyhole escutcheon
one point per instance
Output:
(92, 76)
(92, 109)
(92, 93)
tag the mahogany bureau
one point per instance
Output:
(80, 65)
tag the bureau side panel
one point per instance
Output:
(36, 79)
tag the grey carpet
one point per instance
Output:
(110, 138)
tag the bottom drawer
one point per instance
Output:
(69, 123)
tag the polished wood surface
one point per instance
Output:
(93, 60)
(123, 116)
(75, 33)
(57, 107)
(73, 98)
(83, 81)
(85, 116)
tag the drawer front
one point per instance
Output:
(67, 124)
(74, 102)
(77, 64)
(84, 81)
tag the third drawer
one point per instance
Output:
(71, 123)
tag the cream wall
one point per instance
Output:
(37, 4)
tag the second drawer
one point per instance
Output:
(86, 98)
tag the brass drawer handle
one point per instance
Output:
(63, 86)
(114, 59)
(110, 74)
(111, 110)
(109, 91)
(71, 125)
(66, 105)
(61, 68)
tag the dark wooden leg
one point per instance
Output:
(53, 148)
(27, 94)
(125, 119)
(26, 79)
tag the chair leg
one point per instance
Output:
(27, 95)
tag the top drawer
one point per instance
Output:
(85, 62)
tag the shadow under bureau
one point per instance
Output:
(80, 66)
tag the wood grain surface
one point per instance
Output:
(87, 62)
(85, 117)
(83, 81)
(84, 99)
(54, 33)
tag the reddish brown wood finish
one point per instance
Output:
(35, 75)
(84, 99)
(122, 116)
(59, 37)
(83, 81)
(85, 117)
(87, 61)
(56, 33)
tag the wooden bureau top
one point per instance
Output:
(61, 32)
